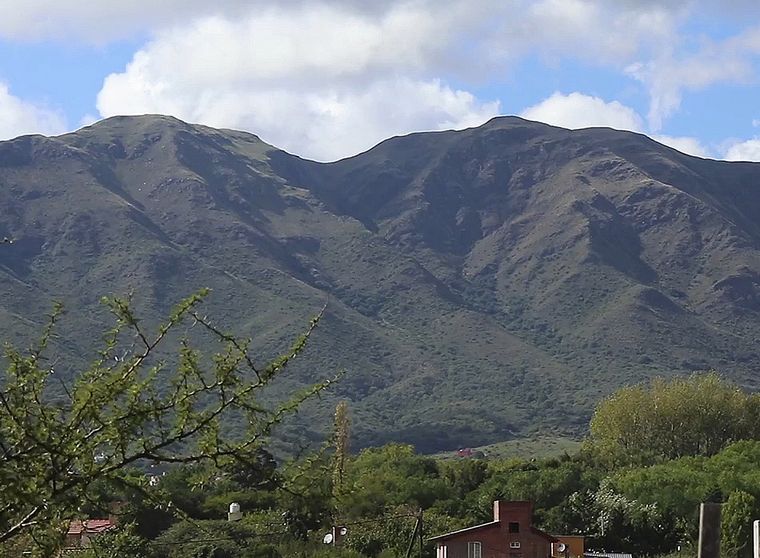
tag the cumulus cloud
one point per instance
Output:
(617, 25)
(263, 65)
(19, 117)
(318, 81)
(748, 150)
(669, 74)
(577, 110)
(101, 21)
(684, 144)
(599, 32)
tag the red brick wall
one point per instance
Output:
(495, 539)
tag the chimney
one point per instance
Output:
(520, 512)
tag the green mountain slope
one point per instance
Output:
(482, 284)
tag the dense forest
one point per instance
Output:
(653, 453)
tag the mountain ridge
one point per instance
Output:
(483, 283)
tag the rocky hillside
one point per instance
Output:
(482, 284)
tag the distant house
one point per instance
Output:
(511, 534)
(81, 533)
(469, 452)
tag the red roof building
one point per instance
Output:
(81, 532)
(510, 535)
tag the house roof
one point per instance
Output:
(488, 525)
(465, 530)
(78, 527)
(540, 533)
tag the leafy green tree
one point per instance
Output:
(612, 520)
(736, 524)
(119, 543)
(698, 415)
(131, 405)
(389, 476)
(218, 539)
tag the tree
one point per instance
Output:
(131, 405)
(698, 415)
(612, 520)
(119, 543)
(342, 436)
(736, 523)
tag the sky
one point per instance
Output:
(326, 79)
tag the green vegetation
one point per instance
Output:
(489, 284)
(649, 509)
(537, 446)
(698, 415)
(130, 407)
(485, 285)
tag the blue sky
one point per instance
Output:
(327, 79)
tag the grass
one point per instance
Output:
(537, 447)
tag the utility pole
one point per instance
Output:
(416, 536)
(413, 538)
(709, 530)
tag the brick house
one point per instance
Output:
(510, 535)
(81, 532)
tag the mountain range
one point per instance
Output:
(481, 284)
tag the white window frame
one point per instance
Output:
(443, 551)
(514, 544)
(474, 549)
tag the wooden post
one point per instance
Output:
(709, 530)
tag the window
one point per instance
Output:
(473, 550)
(443, 551)
(514, 544)
(514, 527)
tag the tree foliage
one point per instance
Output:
(736, 524)
(134, 404)
(698, 415)
(341, 434)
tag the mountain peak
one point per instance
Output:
(482, 282)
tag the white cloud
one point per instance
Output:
(323, 124)
(318, 81)
(597, 31)
(296, 56)
(577, 110)
(748, 150)
(18, 117)
(101, 21)
(667, 77)
(756, 122)
(616, 24)
(669, 74)
(684, 144)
